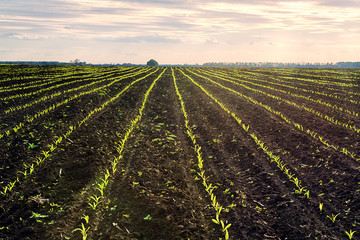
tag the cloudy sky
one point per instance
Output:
(186, 31)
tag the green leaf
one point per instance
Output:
(148, 217)
(215, 221)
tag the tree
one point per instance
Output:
(152, 63)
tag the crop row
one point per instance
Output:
(322, 82)
(307, 98)
(40, 81)
(306, 85)
(326, 74)
(197, 148)
(10, 74)
(57, 140)
(312, 133)
(96, 198)
(273, 158)
(99, 79)
(62, 82)
(285, 84)
(58, 104)
(37, 83)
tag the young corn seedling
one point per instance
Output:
(225, 229)
(296, 181)
(5, 190)
(101, 187)
(25, 173)
(350, 234)
(38, 161)
(31, 169)
(52, 147)
(12, 184)
(86, 218)
(113, 165)
(333, 217)
(83, 231)
(46, 154)
(321, 206)
(307, 194)
(95, 203)
(106, 178)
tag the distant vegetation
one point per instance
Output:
(284, 65)
(152, 62)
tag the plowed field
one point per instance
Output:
(179, 153)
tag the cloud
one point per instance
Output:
(339, 3)
(140, 39)
(214, 26)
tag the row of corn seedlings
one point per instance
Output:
(273, 158)
(278, 81)
(97, 198)
(308, 98)
(38, 83)
(313, 134)
(95, 80)
(32, 84)
(26, 80)
(300, 189)
(305, 86)
(197, 148)
(57, 140)
(323, 74)
(322, 82)
(75, 96)
(67, 75)
(64, 82)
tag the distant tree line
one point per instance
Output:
(208, 64)
(43, 63)
(284, 65)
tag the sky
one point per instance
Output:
(180, 32)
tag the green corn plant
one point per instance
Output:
(5, 190)
(31, 169)
(106, 178)
(113, 165)
(299, 190)
(12, 184)
(96, 202)
(46, 154)
(307, 194)
(39, 160)
(296, 181)
(25, 173)
(52, 147)
(101, 187)
(321, 206)
(225, 229)
(83, 231)
(216, 220)
(86, 218)
(350, 234)
(332, 217)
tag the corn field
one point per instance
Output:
(104, 152)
